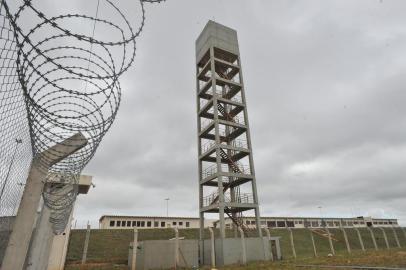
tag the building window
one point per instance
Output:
(290, 224)
(118, 223)
(112, 223)
(180, 223)
(138, 223)
(315, 224)
(271, 224)
(336, 223)
(142, 223)
(163, 224)
(280, 224)
(149, 223)
(187, 224)
(156, 223)
(128, 223)
(174, 223)
(330, 223)
(253, 222)
(134, 223)
(123, 223)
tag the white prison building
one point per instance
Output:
(315, 222)
(150, 222)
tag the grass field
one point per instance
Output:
(387, 258)
(109, 247)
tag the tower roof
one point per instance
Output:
(217, 35)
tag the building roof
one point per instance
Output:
(151, 217)
(313, 218)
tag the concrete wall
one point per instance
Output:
(233, 250)
(160, 254)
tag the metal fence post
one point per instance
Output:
(176, 248)
(212, 248)
(313, 243)
(244, 251)
(396, 237)
(268, 235)
(373, 238)
(135, 246)
(292, 243)
(385, 238)
(360, 239)
(86, 245)
(346, 240)
(330, 241)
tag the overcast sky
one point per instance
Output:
(326, 103)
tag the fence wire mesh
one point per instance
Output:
(59, 75)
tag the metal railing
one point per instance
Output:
(207, 145)
(205, 123)
(244, 169)
(239, 143)
(209, 171)
(237, 198)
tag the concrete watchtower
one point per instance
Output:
(227, 182)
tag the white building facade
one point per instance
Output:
(156, 222)
(316, 222)
(150, 222)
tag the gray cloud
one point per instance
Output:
(324, 84)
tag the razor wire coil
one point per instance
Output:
(67, 82)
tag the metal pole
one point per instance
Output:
(176, 248)
(346, 240)
(134, 256)
(292, 243)
(385, 238)
(313, 243)
(373, 238)
(86, 246)
(167, 207)
(330, 241)
(396, 237)
(18, 141)
(360, 239)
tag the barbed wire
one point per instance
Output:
(65, 81)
